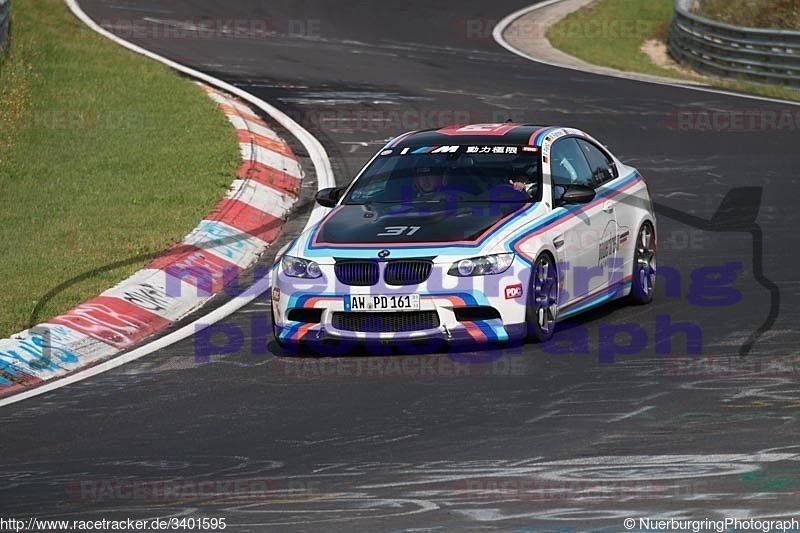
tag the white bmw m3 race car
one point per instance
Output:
(486, 233)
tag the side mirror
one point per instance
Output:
(329, 197)
(578, 194)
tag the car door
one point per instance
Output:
(604, 172)
(589, 231)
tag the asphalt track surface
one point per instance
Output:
(533, 441)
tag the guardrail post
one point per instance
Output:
(5, 6)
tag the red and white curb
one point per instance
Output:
(227, 241)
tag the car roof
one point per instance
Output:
(507, 133)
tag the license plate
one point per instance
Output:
(369, 302)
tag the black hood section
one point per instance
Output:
(386, 224)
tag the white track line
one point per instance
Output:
(325, 178)
(497, 33)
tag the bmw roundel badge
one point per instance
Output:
(383, 254)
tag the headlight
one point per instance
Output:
(296, 267)
(482, 266)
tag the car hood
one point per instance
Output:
(387, 225)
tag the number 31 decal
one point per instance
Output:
(395, 231)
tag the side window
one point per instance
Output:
(568, 166)
(601, 166)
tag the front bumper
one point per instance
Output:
(452, 327)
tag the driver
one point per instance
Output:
(428, 179)
(524, 176)
(524, 183)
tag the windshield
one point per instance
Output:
(450, 173)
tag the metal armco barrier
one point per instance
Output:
(5, 5)
(767, 56)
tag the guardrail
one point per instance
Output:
(771, 56)
(5, 6)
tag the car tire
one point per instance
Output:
(644, 266)
(542, 305)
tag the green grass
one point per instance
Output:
(104, 156)
(611, 33)
(617, 46)
(777, 14)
